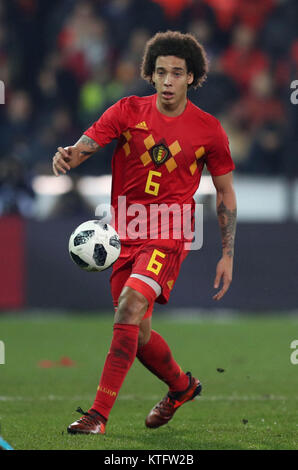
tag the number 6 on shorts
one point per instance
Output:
(154, 265)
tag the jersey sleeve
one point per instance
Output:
(109, 126)
(218, 158)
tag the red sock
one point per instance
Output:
(118, 362)
(156, 356)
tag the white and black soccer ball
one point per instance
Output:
(94, 246)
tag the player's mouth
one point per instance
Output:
(167, 95)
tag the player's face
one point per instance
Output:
(171, 81)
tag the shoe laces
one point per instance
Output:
(166, 404)
(87, 418)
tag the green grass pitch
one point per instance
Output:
(250, 386)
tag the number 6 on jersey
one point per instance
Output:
(152, 187)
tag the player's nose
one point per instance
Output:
(167, 79)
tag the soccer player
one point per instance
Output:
(164, 141)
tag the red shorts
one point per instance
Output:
(158, 259)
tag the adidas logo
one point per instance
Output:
(142, 125)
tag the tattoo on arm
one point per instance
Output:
(227, 223)
(90, 143)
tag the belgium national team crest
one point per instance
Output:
(159, 154)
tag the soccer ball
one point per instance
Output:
(94, 246)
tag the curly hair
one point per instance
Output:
(184, 46)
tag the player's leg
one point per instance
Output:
(132, 326)
(122, 350)
(155, 266)
(155, 354)
(131, 307)
(153, 351)
(145, 332)
(157, 357)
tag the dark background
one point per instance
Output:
(64, 62)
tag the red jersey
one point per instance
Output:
(158, 159)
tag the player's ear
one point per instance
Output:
(190, 78)
(153, 79)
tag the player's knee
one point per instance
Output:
(143, 338)
(144, 332)
(132, 306)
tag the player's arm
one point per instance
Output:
(226, 207)
(71, 157)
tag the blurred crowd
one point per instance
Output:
(63, 62)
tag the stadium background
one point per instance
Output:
(64, 62)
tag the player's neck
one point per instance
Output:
(171, 110)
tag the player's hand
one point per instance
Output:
(224, 271)
(61, 160)
(65, 159)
